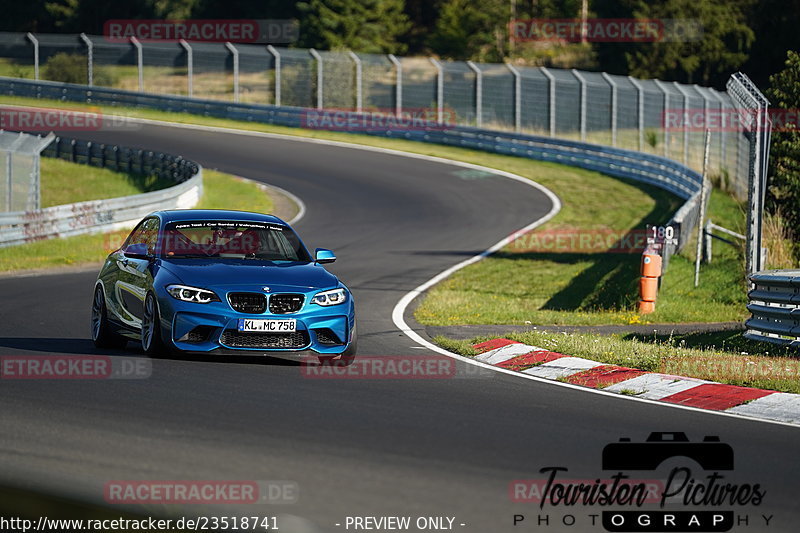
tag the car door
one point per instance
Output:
(133, 274)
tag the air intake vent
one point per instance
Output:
(238, 339)
(248, 302)
(281, 304)
(326, 336)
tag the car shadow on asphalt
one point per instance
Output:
(43, 346)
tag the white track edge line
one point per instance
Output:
(401, 306)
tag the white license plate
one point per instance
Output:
(270, 326)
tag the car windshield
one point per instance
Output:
(231, 239)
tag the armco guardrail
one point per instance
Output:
(105, 215)
(775, 307)
(648, 168)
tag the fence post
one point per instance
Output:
(640, 110)
(614, 108)
(89, 59)
(685, 122)
(36, 178)
(439, 90)
(660, 85)
(35, 43)
(703, 189)
(139, 62)
(398, 87)
(359, 82)
(551, 99)
(10, 168)
(745, 95)
(9, 188)
(272, 50)
(318, 59)
(582, 81)
(517, 97)
(189, 67)
(235, 53)
(478, 93)
(722, 133)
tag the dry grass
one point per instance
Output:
(779, 240)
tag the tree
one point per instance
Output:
(783, 191)
(466, 30)
(775, 23)
(708, 58)
(372, 26)
(89, 16)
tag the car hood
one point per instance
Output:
(233, 274)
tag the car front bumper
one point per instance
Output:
(213, 327)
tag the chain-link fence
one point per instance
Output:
(19, 170)
(645, 115)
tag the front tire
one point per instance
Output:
(103, 334)
(152, 342)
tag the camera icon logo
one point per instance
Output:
(710, 454)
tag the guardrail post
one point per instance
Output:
(189, 67)
(614, 108)
(660, 85)
(640, 110)
(398, 87)
(478, 93)
(35, 43)
(551, 99)
(235, 53)
(439, 90)
(582, 82)
(517, 97)
(359, 86)
(685, 121)
(318, 59)
(272, 50)
(139, 62)
(89, 58)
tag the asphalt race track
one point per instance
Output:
(354, 447)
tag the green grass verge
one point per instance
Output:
(514, 287)
(723, 357)
(221, 191)
(572, 288)
(63, 182)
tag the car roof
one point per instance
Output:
(175, 215)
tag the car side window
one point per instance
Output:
(145, 233)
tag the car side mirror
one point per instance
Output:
(137, 251)
(322, 256)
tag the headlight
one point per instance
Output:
(333, 297)
(192, 294)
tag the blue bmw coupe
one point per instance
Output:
(222, 282)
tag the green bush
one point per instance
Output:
(67, 68)
(72, 68)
